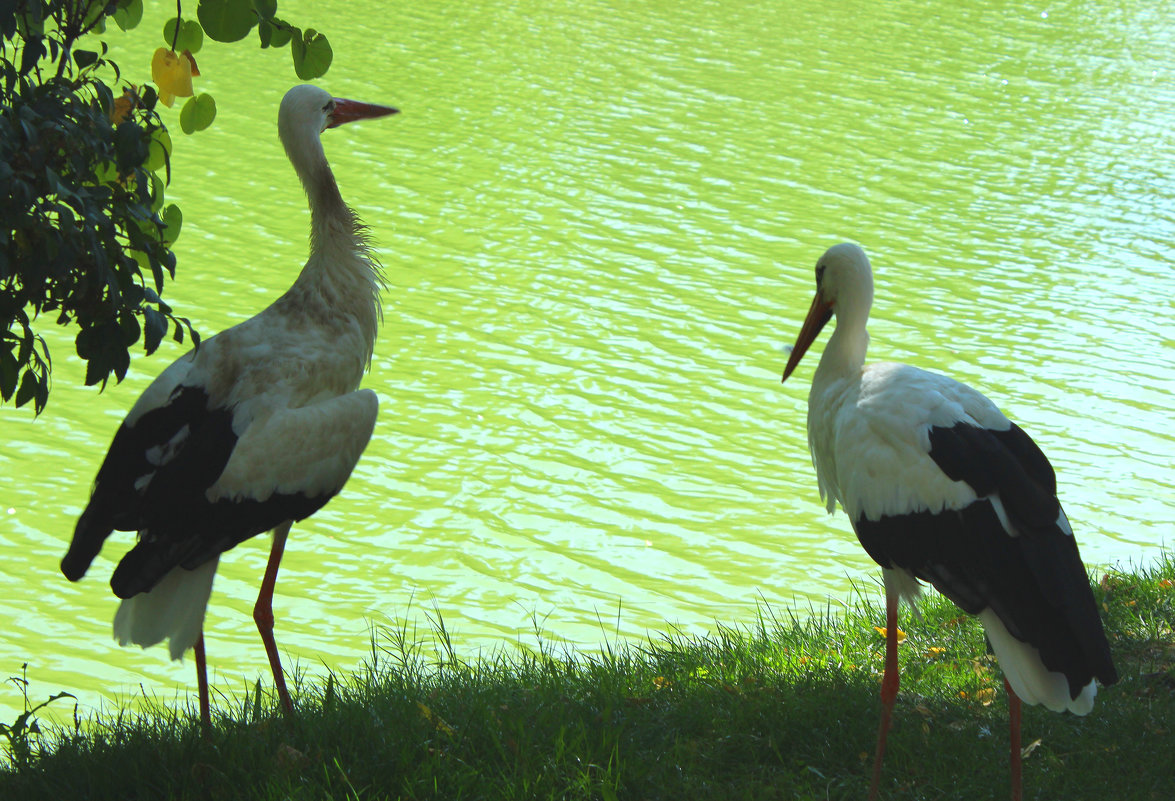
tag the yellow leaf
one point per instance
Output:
(172, 73)
(435, 720)
(121, 110)
(192, 60)
(934, 650)
(901, 635)
(985, 696)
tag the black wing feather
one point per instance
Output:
(178, 525)
(1035, 581)
(115, 502)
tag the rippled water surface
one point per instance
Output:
(598, 222)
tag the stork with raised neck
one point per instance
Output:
(253, 430)
(941, 487)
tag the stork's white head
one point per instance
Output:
(306, 111)
(843, 270)
(304, 108)
(844, 286)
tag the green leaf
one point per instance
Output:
(130, 146)
(280, 33)
(95, 16)
(26, 346)
(30, 25)
(197, 114)
(312, 55)
(190, 38)
(173, 220)
(9, 372)
(192, 35)
(128, 324)
(159, 150)
(158, 192)
(84, 58)
(28, 388)
(226, 20)
(155, 329)
(31, 53)
(265, 8)
(129, 14)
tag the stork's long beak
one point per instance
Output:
(818, 315)
(351, 110)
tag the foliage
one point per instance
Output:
(21, 733)
(85, 233)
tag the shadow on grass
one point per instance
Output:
(785, 708)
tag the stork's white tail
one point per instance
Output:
(172, 610)
(1030, 679)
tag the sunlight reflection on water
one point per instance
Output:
(598, 226)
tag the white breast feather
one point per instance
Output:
(871, 439)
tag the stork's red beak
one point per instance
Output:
(818, 315)
(351, 110)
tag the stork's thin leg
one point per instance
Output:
(202, 684)
(889, 689)
(263, 613)
(1014, 732)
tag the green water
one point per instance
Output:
(599, 221)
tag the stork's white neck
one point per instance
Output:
(327, 208)
(844, 356)
(837, 382)
(341, 273)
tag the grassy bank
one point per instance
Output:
(784, 707)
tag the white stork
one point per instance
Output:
(256, 428)
(941, 487)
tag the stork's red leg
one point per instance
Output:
(889, 688)
(1014, 732)
(263, 613)
(202, 685)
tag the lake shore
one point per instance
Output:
(785, 707)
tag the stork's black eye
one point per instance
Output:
(329, 107)
(819, 275)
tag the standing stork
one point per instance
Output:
(941, 487)
(256, 428)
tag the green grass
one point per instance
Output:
(784, 707)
